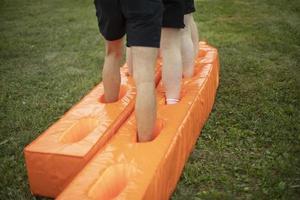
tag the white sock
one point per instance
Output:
(172, 101)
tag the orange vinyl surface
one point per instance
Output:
(126, 169)
(57, 155)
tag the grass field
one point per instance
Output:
(51, 55)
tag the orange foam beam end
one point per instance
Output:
(126, 169)
(58, 154)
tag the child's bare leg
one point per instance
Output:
(195, 36)
(187, 48)
(129, 60)
(172, 63)
(111, 70)
(144, 59)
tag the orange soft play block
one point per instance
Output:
(126, 169)
(57, 155)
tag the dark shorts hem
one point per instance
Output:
(189, 11)
(143, 44)
(109, 37)
(189, 7)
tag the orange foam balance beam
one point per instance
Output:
(126, 169)
(58, 154)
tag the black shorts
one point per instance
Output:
(189, 7)
(141, 20)
(173, 13)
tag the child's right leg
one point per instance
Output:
(195, 35)
(187, 47)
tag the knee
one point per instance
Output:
(114, 49)
(170, 38)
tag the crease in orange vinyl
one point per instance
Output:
(126, 169)
(58, 154)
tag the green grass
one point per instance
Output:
(51, 56)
